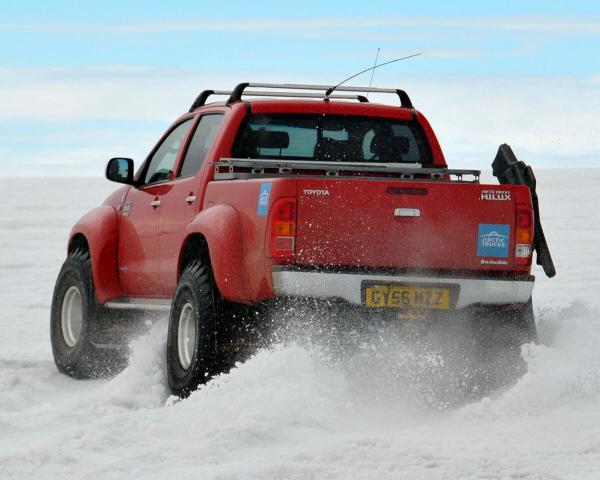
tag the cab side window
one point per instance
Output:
(202, 140)
(163, 161)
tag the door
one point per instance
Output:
(180, 204)
(138, 231)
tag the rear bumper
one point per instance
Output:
(323, 284)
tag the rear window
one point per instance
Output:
(331, 138)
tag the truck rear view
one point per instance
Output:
(362, 208)
(328, 199)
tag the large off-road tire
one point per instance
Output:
(193, 350)
(499, 333)
(507, 327)
(75, 329)
(524, 319)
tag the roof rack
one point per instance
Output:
(236, 94)
(201, 99)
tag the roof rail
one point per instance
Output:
(201, 99)
(240, 89)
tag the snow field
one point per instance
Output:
(293, 411)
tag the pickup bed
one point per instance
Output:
(246, 201)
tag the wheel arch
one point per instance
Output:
(97, 232)
(78, 242)
(215, 236)
(194, 247)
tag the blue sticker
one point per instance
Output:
(493, 240)
(263, 199)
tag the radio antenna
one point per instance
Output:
(373, 71)
(331, 89)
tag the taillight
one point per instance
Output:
(282, 223)
(524, 234)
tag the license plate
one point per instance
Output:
(381, 295)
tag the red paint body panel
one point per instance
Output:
(241, 196)
(221, 227)
(355, 225)
(175, 215)
(100, 228)
(139, 252)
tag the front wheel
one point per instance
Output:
(75, 329)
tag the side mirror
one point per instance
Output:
(120, 170)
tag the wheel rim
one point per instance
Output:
(71, 317)
(186, 336)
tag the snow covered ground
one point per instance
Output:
(291, 412)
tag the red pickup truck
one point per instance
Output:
(309, 194)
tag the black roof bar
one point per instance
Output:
(236, 95)
(201, 100)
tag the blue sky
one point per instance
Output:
(83, 81)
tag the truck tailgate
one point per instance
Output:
(406, 225)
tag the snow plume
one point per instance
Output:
(299, 409)
(417, 367)
(563, 370)
(279, 395)
(142, 383)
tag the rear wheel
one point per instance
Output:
(207, 335)
(192, 343)
(499, 334)
(76, 335)
(506, 327)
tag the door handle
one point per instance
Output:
(190, 199)
(155, 203)
(407, 212)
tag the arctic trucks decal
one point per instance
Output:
(493, 240)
